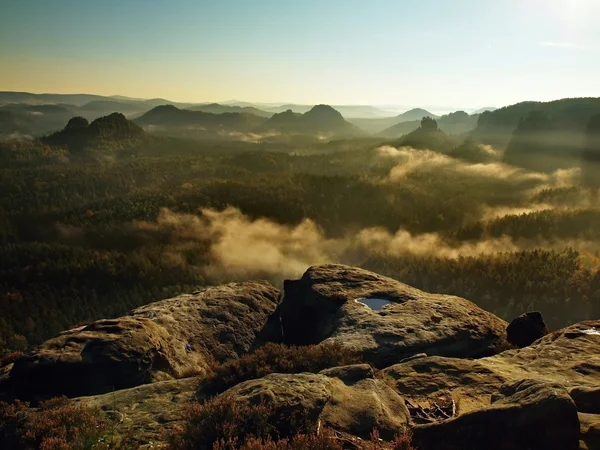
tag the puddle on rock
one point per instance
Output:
(592, 331)
(376, 304)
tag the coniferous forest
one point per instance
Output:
(111, 214)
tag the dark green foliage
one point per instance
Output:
(429, 124)
(73, 251)
(591, 155)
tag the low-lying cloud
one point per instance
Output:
(410, 160)
(238, 247)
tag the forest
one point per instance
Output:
(106, 216)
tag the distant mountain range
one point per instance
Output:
(319, 120)
(216, 108)
(169, 116)
(373, 126)
(140, 105)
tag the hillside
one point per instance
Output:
(99, 108)
(109, 132)
(375, 126)
(170, 120)
(319, 120)
(427, 136)
(216, 108)
(347, 111)
(458, 122)
(571, 114)
(32, 120)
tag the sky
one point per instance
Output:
(452, 53)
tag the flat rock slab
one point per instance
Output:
(163, 340)
(330, 302)
(145, 413)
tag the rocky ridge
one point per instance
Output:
(435, 364)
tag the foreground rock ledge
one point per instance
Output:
(531, 415)
(159, 341)
(569, 358)
(323, 306)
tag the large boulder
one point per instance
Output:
(569, 358)
(384, 319)
(347, 399)
(530, 415)
(587, 398)
(166, 339)
(526, 329)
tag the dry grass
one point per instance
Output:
(10, 358)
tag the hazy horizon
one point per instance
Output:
(427, 54)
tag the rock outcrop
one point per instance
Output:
(526, 329)
(348, 399)
(530, 415)
(162, 340)
(328, 303)
(569, 358)
(446, 371)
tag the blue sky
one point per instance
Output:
(462, 53)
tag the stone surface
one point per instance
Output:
(526, 329)
(589, 427)
(347, 399)
(533, 416)
(162, 340)
(145, 413)
(323, 305)
(422, 380)
(587, 399)
(569, 358)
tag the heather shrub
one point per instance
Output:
(403, 442)
(56, 425)
(325, 440)
(279, 358)
(221, 421)
(400, 442)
